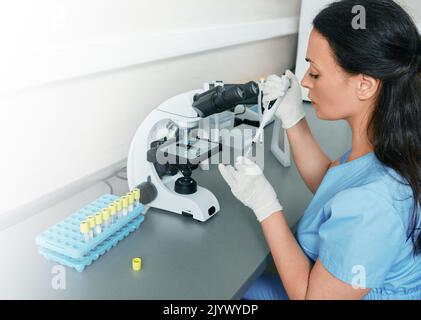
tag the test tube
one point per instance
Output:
(92, 224)
(84, 229)
(113, 210)
(119, 205)
(136, 192)
(106, 217)
(130, 196)
(125, 201)
(98, 224)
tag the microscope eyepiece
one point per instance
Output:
(229, 98)
(251, 89)
(216, 89)
(218, 99)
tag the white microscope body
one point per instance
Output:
(178, 111)
(177, 137)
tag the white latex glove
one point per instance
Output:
(291, 109)
(249, 185)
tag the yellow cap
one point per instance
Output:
(84, 227)
(125, 201)
(137, 264)
(119, 204)
(98, 218)
(136, 192)
(113, 208)
(91, 220)
(130, 196)
(105, 214)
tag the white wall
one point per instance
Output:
(54, 133)
(413, 7)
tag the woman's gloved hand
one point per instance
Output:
(291, 110)
(249, 185)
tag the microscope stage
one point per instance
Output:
(197, 151)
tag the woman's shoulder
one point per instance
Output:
(384, 192)
(388, 184)
(381, 182)
(375, 191)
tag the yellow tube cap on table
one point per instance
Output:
(84, 227)
(137, 264)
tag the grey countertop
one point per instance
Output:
(181, 258)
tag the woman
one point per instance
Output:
(359, 237)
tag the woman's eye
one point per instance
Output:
(314, 76)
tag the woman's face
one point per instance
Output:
(331, 90)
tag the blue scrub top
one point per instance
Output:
(357, 226)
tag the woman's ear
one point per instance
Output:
(367, 87)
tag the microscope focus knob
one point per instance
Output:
(148, 191)
(185, 185)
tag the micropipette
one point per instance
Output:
(268, 113)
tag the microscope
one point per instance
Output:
(169, 145)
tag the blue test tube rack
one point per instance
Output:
(63, 242)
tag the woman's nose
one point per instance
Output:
(305, 82)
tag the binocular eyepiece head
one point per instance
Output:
(222, 98)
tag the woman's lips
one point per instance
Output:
(312, 101)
